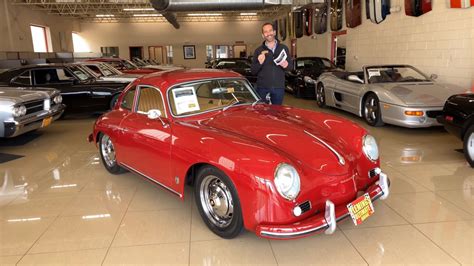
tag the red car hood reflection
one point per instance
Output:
(285, 133)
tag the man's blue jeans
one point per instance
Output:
(276, 95)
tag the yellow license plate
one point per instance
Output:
(47, 121)
(360, 209)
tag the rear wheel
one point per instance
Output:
(320, 95)
(218, 202)
(371, 111)
(108, 156)
(468, 145)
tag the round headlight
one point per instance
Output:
(370, 148)
(58, 99)
(18, 111)
(287, 181)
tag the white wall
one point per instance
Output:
(440, 42)
(201, 34)
(15, 30)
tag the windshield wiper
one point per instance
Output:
(257, 101)
(232, 104)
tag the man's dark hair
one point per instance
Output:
(268, 23)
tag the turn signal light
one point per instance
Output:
(414, 113)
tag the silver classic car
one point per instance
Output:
(27, 109)
(393, 94)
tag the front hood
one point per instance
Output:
(20, 95)
(287, 134)
(422, 94)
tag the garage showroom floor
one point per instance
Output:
(58, 204)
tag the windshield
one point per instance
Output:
(89, 71)
(106, 67)
(202, 96)
(318, 63)
(81, 74)
(395, 74)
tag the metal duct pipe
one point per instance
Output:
(214, 5)
(171, 17)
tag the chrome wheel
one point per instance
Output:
(108, 151)
(470, 146)
(371, 111)
(320, 98)
(216, 201)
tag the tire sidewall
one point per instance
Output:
(320, 104)
(236, 225)
(378, 120)
(469, 132)
(115, 169)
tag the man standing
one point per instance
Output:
(269, 64)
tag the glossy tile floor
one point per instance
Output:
(58, 205)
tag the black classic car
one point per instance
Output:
(298, 80)
(458, 119)
(81, 92)
(239, 65)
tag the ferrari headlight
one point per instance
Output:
(58, 99)
(370, 148)
(287, 181)
(18, 111)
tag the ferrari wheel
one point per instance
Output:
(218, 202)
(371, 111)
(468, 146)
(107, 154)
(320, 96)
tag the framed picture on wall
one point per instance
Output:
(189, 52)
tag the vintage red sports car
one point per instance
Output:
(280, 171)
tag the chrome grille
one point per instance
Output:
(34, 106)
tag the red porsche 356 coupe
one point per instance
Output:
(279, 171)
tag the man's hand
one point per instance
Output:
(284, 64)
(261, 57)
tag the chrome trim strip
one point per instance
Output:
(283, 235)
(339, 157)
(151, 179)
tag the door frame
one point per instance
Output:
(334, 43)
(163, 53)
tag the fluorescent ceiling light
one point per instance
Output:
(248, 14)
(138, 9)
(204, 14)
(147, 15)
(64, 186)
(96, 216)
(104, 16)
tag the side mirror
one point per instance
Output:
(355, 78)
(154, 114)
(433, 76)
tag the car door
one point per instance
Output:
(346, 95)
(147, 147)
(75, 97)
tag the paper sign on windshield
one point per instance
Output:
(185, 100)
(373, 73)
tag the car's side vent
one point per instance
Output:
(305, 206)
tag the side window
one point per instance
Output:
(45, 76)
(150, 98)
(127, 101)
(23, 79)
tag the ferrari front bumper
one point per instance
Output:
(324, 221)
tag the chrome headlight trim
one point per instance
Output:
(287, 181)
(370, 148)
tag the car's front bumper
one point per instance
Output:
(323, 221)
(395, 115)
(21, 126)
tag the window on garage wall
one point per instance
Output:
(209, 52)
(169, 54)
(41, 37)
(80, 44)
(110, 51)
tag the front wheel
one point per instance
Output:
(218, 202)
(320, 96)
(371, 111)
(108, 156)
(468, 145)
